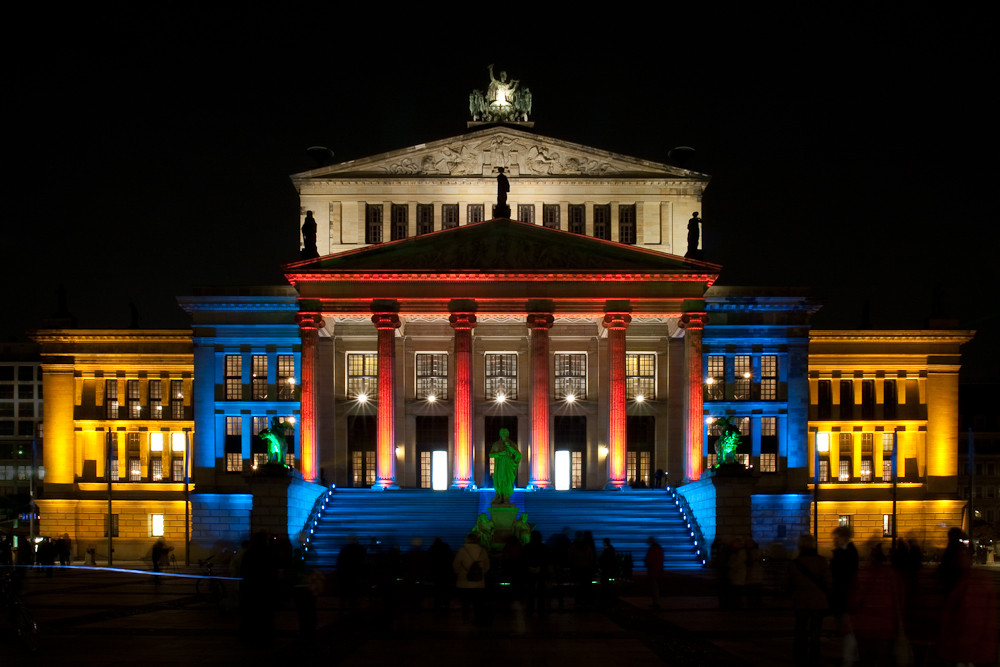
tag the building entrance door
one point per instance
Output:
(362, 436)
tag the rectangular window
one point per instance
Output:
(846, 455)
(425, 470)
(889, 399)
(887, 439)
(868, 399)
(640, 376)
(768, 377)
(362, 468)
(824, 471)
(550, 216)
(134, 457)
(234, 444)
(449, 216)
(501, 376)
(866, 470)
(111, 399)
(114, 525)
(259, 459)
(742, 377)
(362, 375)
(769, 444)
(637, 465)
(474, 213)
(286, 377)
(576, 469)
(847, 399)
(177, 399)
(373, 223)
(177, 469)
(156, 469)
(570, 376)
(156, 525)
(602, 222)
(425, 218)
(887, 527)
(400, 219)
(824, 399)
(626, 223)
(258, 377)
(577, 217)
(155, 399)
(112, 444)
(715, 378)
(432, 377)
(234, 377)
(867, 457)
(134, 408)
(844, 520)
(526, 213)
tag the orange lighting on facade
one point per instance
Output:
(616, 324)
(309, 324)
(694, 324)
(385, 457)
(539, 324)
(463, 324)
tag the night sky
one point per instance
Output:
(854, 154)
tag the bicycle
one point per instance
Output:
(209, 586)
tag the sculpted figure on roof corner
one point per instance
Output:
(505, 100)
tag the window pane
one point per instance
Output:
(501, 376)
(570, 376)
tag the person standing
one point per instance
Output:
(654, 570)
(844, 575)
(809, 582)
(471, 565)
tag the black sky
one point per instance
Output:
(150, 148)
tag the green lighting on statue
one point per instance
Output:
(729, 440)
(274, 437)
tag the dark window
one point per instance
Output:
(602, 222)
(577, 218)
(824, 398)
(400, 221)
(111, 399)
(890, 399)
(114, 525)
(112, 445)
(769, 444)
(526, 212)
(134, 407)
(155, 399)
(362, 436)
(475, 213)
(626, 223)
(177, 399)
(868, 399)
(640, 436)
(550, 215)
(449, 216)
(847, 399)
(425, 218)
(373, 223)
(234, 444)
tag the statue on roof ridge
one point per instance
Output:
(504, 101)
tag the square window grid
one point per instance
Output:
(501, 376)
(362, 375)
(432, 376)
(570, 376)
(258, 377)
(640, 376)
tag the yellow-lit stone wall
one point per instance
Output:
(926, 521)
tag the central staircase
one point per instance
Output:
(395, 517)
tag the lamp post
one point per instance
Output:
(895, 477)
(107, 474)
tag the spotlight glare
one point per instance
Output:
(362, 398)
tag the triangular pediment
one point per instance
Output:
(478, 153)
(503, 246)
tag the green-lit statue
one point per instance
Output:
(729, 439)
(274, 438)
(506, 457)
(484, 529)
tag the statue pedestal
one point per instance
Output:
(503, 521)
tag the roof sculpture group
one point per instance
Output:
(504, 101)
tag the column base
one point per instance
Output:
(463, 485)
(614, 485)
(384, 485)
(539, 486)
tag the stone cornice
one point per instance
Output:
(84, 336)
(891, 336)
(376, 276)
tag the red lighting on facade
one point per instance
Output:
(309, 324)
(463, 323)
(539, 324)
(616, 323)
(385, 456)
(693, 324)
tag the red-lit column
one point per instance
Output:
(616, 323)
(539, 324)
(385, 453)
(693, 325)
(309, 325)
(463, 323)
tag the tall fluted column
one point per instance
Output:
(309, 324)
(385, 452)
(616, 323)
(463, 323)
(693, 325)
(539, 324)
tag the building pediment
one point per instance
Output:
(478, 153)
(505, 246)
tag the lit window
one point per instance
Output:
(846, 455)
(550, 216)
(156, 525)
(501, 376)
(742, 377)
(134, 460)
(887, 442)
(432, 376)
(234, 377)
(887, 527)
(768, 444)
(867, 457)
(132, 392)
(156, 442)
(258, 377)
(373, 223)
(177, 442)
(637, 466)
(111, 399)
(640, 376)
(177, 399)
(626, 223)
(768, 377)
(425, 470)
(571, 376)
(155, 399)
(824, 471)
(234, 444)
(156, 469)
(177, 469)
(844, 521)
(286, 377)
(715, 378)
(362, 375)
(576, 469)
(113, 459)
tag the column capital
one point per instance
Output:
(462, 320)
(616, 320)
(694, 320)
(385, 320)
(309, 320)
(540, 320)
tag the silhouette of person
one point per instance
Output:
(693, 236)
(309, 237)
(503, 187)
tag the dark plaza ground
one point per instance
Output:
(91, 617)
